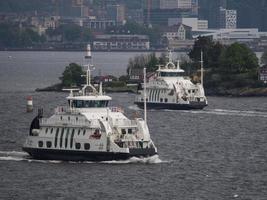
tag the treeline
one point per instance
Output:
(71, 33)
(226, 67)
(14, 36)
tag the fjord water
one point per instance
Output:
(216, 153)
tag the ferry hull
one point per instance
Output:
(72, 155)
(172, 106)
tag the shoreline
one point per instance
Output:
(236, 92)
(83, 50)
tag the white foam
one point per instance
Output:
(10, 158)
(134, 107)
(243, 113)
(22, 156)
(145, 160)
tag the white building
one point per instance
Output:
(121, 42)
(228, 18)
(202, 24)
(175, 4)
(189, 21)
(177, 32)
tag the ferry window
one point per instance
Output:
(79, 104)
(77, 145)
(84, 132)
(69, 118)
(171, 74)
(123, 131)
(48, 144)
(130, 131)
(60, 117)
(61, 137)
(46, 130)
(66, 138)
(86, 146)
(76, 118)
(161, 100)
(56, 137)
(79, 131)
(51, 131)
(40, 143)
(90, 104)
(71, 138)
(166, 100)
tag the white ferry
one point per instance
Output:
(88, 130)
(172, 90)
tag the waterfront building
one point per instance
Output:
(121, 42)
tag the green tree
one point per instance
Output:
(238, 58)
(72, 75)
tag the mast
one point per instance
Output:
(145, 116)
(201, 70)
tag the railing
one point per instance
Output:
(124, 123)
(71, 122)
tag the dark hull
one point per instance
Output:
(172, 106)
(72, 155)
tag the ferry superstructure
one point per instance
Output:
(172, 90)
(88, 130)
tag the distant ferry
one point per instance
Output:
(172, 90)
(88, 130)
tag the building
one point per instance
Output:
(116, 12)
(193, 22)
(178, 32)
(175, 4)
(210, 10)
(251, 14)
(195, 7)
(202, 24)
(136, 15)
(228, 18)
(263, 73)
(121, 42)
(250, 36)
(98, 24)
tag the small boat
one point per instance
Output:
(170, 89)
(88, 130)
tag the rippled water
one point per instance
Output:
(216, 153)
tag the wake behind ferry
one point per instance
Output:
(88, 130)
(172, 90)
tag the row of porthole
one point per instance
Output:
(77, 145)
(51, 131)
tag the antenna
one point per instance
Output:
(178, 64)
(201, 70)
(170, 56)
(145, 117)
